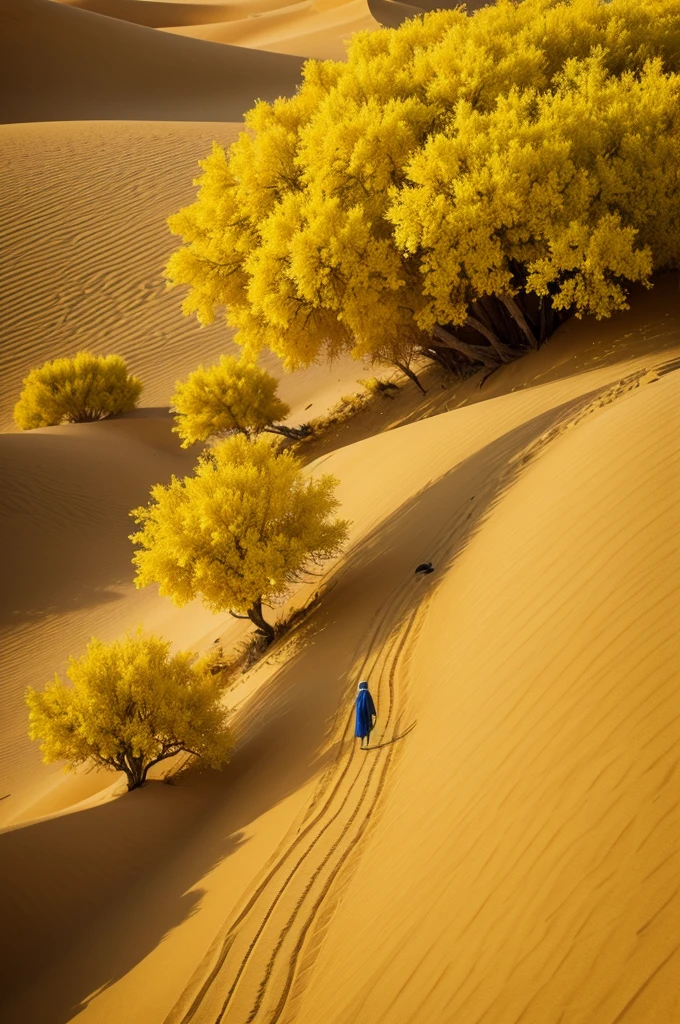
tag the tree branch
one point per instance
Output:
(517, 315)
(477, 353)
(505, 353)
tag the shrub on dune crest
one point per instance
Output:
(234, 395)
(77, 390)
(132, 704)
(457, 188)
(238, 532)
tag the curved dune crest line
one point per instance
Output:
(393, 13)
(309, 29)
(531, 827)
(160, 14)
(60, 63)
(260, 965)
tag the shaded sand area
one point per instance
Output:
(508, 850)
(60, 63)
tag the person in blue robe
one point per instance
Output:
(365, 714)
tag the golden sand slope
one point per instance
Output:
(309, 28)
(164, 13)
(60, 63)
(512, 675)
(82, 260)
(531, 819)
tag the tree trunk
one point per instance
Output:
(410, 374)
(504, 352)
(294, 433)
(256, 617)
(517, 315)
(134, 771)
(547, 317)
(478, 353)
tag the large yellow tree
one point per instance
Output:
(458, 187)
(130, 705)
(246, 525)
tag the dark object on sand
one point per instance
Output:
(424, 568)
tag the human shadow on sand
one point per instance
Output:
(394, 739)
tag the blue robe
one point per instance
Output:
(364, 708)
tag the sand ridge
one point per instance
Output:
(532, 822)
(311, 28)
(306, 28)
(161, 14)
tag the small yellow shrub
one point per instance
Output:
(77, 390)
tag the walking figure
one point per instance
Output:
(365, 714)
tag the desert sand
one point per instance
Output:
(508, 849)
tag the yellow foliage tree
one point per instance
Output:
(233, 395)
(458, 187)
(239, 531)
(77, 390)
(131, 705)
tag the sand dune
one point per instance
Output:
(60, 63)
(82, 261)
(310, 28)
(161, 14)
(508, 849)
(531, 817)
(391, 13)
(549, 514)
(469, 867)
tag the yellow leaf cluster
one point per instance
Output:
(77, 390)
(236, 394)
(238, 531)
(131, 705)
